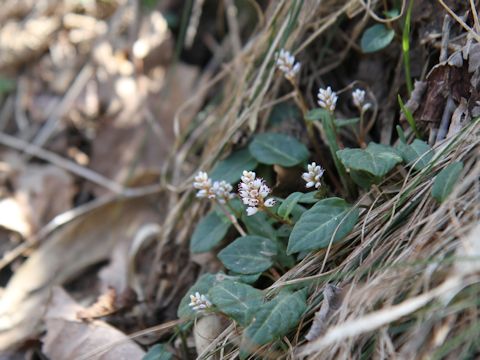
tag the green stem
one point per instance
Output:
(330, 132)
(232, 219)
(275, 216)
(406, 48)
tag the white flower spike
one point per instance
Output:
(358, 97)
(313, 176)
(286, 64)
(253, 192)
(220, 190)
(199, 302)
(327, 99)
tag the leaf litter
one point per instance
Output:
(137, 107)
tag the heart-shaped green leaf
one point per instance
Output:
(231, 168)
(249, 254)
(209, 232)
(237, 300)
(280, 149)
(273, 320)
(376, 38)
(318, 225)
(376, 159)
(445, 181)
(418, 150)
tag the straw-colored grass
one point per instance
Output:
(409, 270)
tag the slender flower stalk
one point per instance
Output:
(327, 99)
(358, 97)
(219, 191)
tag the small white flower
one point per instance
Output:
(253, 191)
(358, 97)
(199, 302)
(286, 64)
(269, 203)
(204, 185)
(220, 190)
(313, 176)
(327, 99)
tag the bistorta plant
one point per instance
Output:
(277, 236)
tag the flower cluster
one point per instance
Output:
(327, 99)
(358, 97)
(286, 63)
(313, 176)
(220, 190)
(199, 302)
(253, 192)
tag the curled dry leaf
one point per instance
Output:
(70, 338)
(331, 302)
(105, 305)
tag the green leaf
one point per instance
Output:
(158, 352)
(346, 122)
(259, 224)
(316, 227)
(231, 168)
(364, 179)
(417, 150)
(273, 320)
(202, 285)
(289, 204)
(286, 111)
(445, 181)
(376, 38)
(249, 254)
(247, 279)
(237, 300)
(376, 159)
(309, 198)
(316, 114)
(392, 13)
(280, 149)
(209, 232)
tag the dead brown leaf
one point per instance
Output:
(41, 193)
(84, 241)
(69, 338)
(331, 302)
